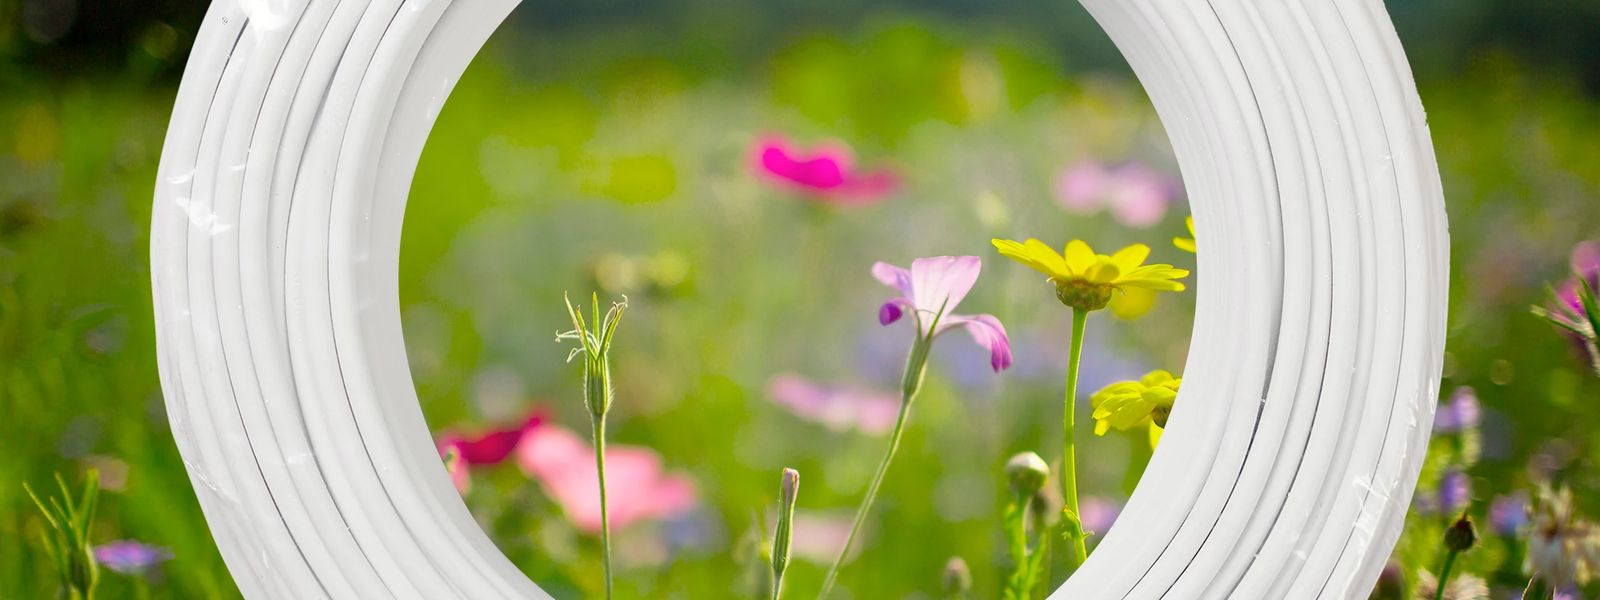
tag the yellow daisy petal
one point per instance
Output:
(1129, 259)
(1155, 378)
(1079, 256)
(1102, 271)
(1132, 303)
(1160, 285)
(1021, 253)
(1047, 256)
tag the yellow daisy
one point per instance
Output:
(1131, 404)
(1088, 281)
(1186, 244)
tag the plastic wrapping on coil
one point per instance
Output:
(1285, 473)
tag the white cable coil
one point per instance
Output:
(1292, 454)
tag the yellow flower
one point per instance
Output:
(1129, 404)
(1186, 244)
(1088, 281)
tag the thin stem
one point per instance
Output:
(915, 366)
(605, 522)
(1069, 461)
(872, 493)
(1444, 574)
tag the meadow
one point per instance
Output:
(753, 340)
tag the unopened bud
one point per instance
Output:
(783, 538)
(1462, 534)
(1027, 472)
(957, 578)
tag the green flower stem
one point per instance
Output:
(1069, 461)
(1444, 573)
(916, 369)
(605, 522)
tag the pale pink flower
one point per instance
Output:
(940, 283)
(839, 408)
(637, 487)
(1136, 194)
(825, 172)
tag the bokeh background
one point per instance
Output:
(607, 146)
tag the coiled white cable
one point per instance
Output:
(1287, 471)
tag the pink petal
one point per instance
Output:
(892, 276)
(1139, 195)
(1586, 257)
(636, 486)
(866, 188)
(1080, 188)
(987, 331)
(837, 408)
(823, 171)
(942, 281)
(493, 446)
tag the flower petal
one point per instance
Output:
(942, 281)
(987, 331)
(1079, 257)
(1132, 302)
(892, 276)
(1130, 258)
(1049, 264)
(892, 310)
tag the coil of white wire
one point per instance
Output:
(1292, 457)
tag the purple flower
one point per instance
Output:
(940, 283)
(1458, 414)
(840, 408)
(1509, 514)
(130, 557)
(1136, 194)
(1453, 494)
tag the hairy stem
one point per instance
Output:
(605, 522)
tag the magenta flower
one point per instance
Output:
(825, 172)
(940, 283)
(489, 447)
(637, 488)
(130, 557)
(1136, 194)
(1460, 413)
(839, 408)
(1586, 264)
(1568, 311)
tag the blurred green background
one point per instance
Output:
(591, 140)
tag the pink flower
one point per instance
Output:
(1097, 514)
(462, 452)
(940, 283)
(637, 489)
(825, 172)
(489, 447)
(1136, 194)
(839, 408)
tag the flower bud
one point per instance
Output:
(1027, 472)
(1462, 534)
(783, 538)
(957, 578)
